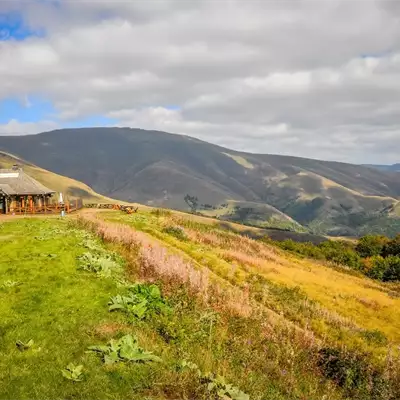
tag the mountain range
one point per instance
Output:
(160, 169)
(393, 167)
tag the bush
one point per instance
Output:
(392, 248)
(352, 372)
(175, 231)
(392, 272)
(370, 245)
(341, 254)
(306, 249)
(375, 267)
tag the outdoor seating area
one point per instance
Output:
(21, 194)
(51, 208)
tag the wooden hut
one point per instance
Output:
(19, 192)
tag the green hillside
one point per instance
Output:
(159, 169)
(163, 305)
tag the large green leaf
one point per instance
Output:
(73, 372)
(125, 349)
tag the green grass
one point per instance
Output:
(59, 308)
(64, 309)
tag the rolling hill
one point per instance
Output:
(158, 168)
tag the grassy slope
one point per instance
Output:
(64, 311)
(70, 188)
(271, 353)
(352, 297)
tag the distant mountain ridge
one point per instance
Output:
(393, 167)
(158, 168)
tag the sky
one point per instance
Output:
(318, 79)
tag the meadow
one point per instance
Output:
(159, 305)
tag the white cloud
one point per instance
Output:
(295, 77)
(14, 127)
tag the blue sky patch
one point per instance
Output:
(13, 27)
(36, 109)
(30, 109)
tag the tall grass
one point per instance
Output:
(156, 262)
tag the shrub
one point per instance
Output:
(371, 245)
(392, 272)
(175, 231)
(392, 248)
(375, 267)
(341, 254)
(352, 372)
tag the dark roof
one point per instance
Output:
(15, 181)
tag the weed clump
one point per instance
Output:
(126, 349)
(176, 231)
(142, 301)
(73, 372)
(161, 212)
(216, 386)
(102, 264)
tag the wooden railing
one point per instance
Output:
(53, 208)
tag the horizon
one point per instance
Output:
(260, 77)
(190, 137)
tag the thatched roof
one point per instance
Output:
(15, 182)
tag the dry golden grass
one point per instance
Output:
(305, 305)
(344, 294)
(157, 261)
(345, 299)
